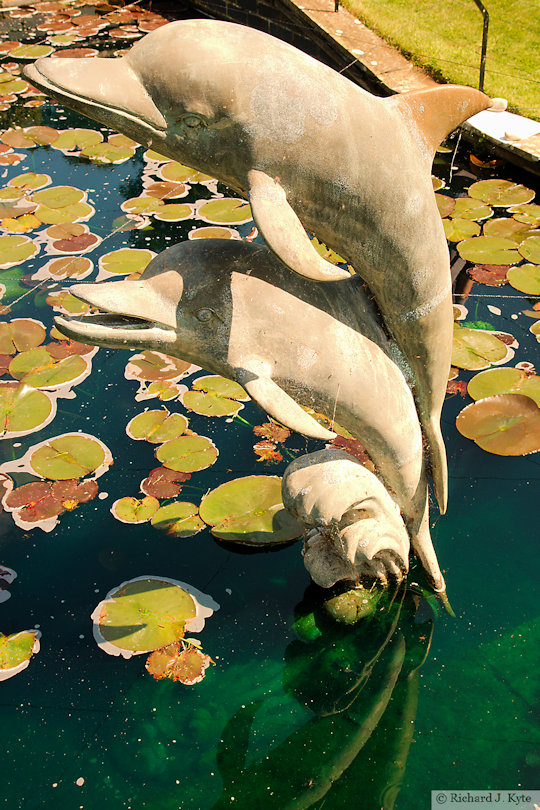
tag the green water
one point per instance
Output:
(369, 717)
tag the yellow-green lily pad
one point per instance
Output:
(530, 249)
(133, 510)
(249, 510)
(125, 260)
(526, 278)
(187, 453)
(456, 230)
(476, 349)
(489, 250)
(78, 212)
(500, 192)
(467, 208)
(107, 153)
(213, 232)
(16, 651)
(528, 213)
(31, 52)
(58, 196)
(173, 212)
(178, 519)
(157, 426)
(72, 455)
(215, 396)
(176, 172)
(15, 249)
(21, 334)
(508, 228)
(74, 139)
(505, 424)
(30, 180)
(38, 369)
(23, 410)
(225, 211)
(507, 380)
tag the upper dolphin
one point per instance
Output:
(311, 151)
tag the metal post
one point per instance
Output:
(336, 5)
(485, 15)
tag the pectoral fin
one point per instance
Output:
(284, 233)
(281, 407)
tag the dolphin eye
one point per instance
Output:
(205, 315)
(193, 121)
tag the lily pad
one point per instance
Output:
(38, 504)
(178, 519)
(495, 275)
(187, 453)
(22, 224)
(38, 369)
(179, 662)
(31, 52)
(149, 613)
(250, 511)
(142, 205)
(213, 232)
(74, 139)
(173, 171)
(77, 267)
(445, 204)
(225, 211)
(23, 410)
(164, 483)
(125, 261)
(326, 252)
(489, 250)
(476, 349)
(173, 212)
(16, 651)
(215, 396)
(30, 181)
(437, 183)
(133, 510)
(15, 250)
(506, 424)
(166, 190)
(61, 458)
(21, 334)
(58, 196)
(149, 365)
(456, 230)
(528, 213)
(501, 192)
(530, 249)
(157, 426)
(78, 212)
(18, 139)
(507, 380)
(107, 153)
(467, 208)
(526, 278)
(507, 228)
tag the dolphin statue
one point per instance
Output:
(315, 345)
(312, 152)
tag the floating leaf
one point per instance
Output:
(506, 424)
(16, 651)
(142, 205)
(535, 329)
(77, 267)
(21, 334)
(495, 275)
(107, 153)
(466, 208)
(149, 613)
(58, 196)
(173, 171)
(125, 261)
(272, 431)
(11, 84)
(445, 204)
(267, 451)
(23, 410)
(500, 192)
(187, 453)
(225, 211)
(476, 349)
(166, 190)
(507, 228)
(18, 139)
(173, 213)
(489, 250)
(213, 232)
(528, 213)
(506, 380)
(249, 510)
(215, 396)
(164, 483)
(149, 365)
(75, 53)
(16, 249)
(157, 426)
(70, 455)
(67, 304)
(30, 181)
(178, 662)
(37, 368)
(456, 230)
(326, 252)
(526, 278)
(38, 502)
(437, 183)
(31, 52)
(78, 212)
(23, 224)
(133, 510)
(73, 139)
(178, 519)
(530, 249)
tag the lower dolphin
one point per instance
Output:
(234, 309)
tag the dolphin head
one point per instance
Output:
(354, 530)
(175, 91)
(175, 307)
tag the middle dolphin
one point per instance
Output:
(234, 309)
(312, 151)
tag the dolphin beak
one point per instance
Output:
(99, 87)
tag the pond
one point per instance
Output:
(295, 710)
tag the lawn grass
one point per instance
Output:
(445, 36)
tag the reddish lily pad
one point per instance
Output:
(250, 511)
(476, 349)
(178, 662)
(215, 396)
(77, 267)
(133, 510)
(272, 431)
(445, 204)
(16, 651)
(41, 500)
(225, 211)
(507, 380)
(178, 519)
(18, 139)
(187, 453)
(267, 451)
(164, 483)
(507, 228)
(20, 335)
(149, 613)
(157, 426)
(503, 193)
(495, 275)
(166, 190)
(506, 424)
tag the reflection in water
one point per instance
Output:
(361, 683)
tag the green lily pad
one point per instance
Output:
(107, 153)
(225, 211)
(142, 205)
(445, 204)
(157, 426)
(213, 232)
(535, 329)
(38, 369)
(11, 84)
(72, 455)
(437, 183)
(250, 511)
(507, 380)
(31, 52)
(30, 180)
(476, 349)
(215, 396)
(506, 424)
(78, 212)
(23, 410)
(526, 278)
(178, 519)
(530, 249)
(187, 453)
(500, 192)
(151, 154)
(506, 227)
(133, 510)
(15, 250)
(489, 250)
(126, 260)
(21, 334)
(67, 303)
(16, 651)
(326, 252)
(148, 613)
(175, 172)
(456, 230)
(58, 196)
(467, 208)
(528, 213)
(173, 212)
(74, 139)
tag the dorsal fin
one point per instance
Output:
(438, 111)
